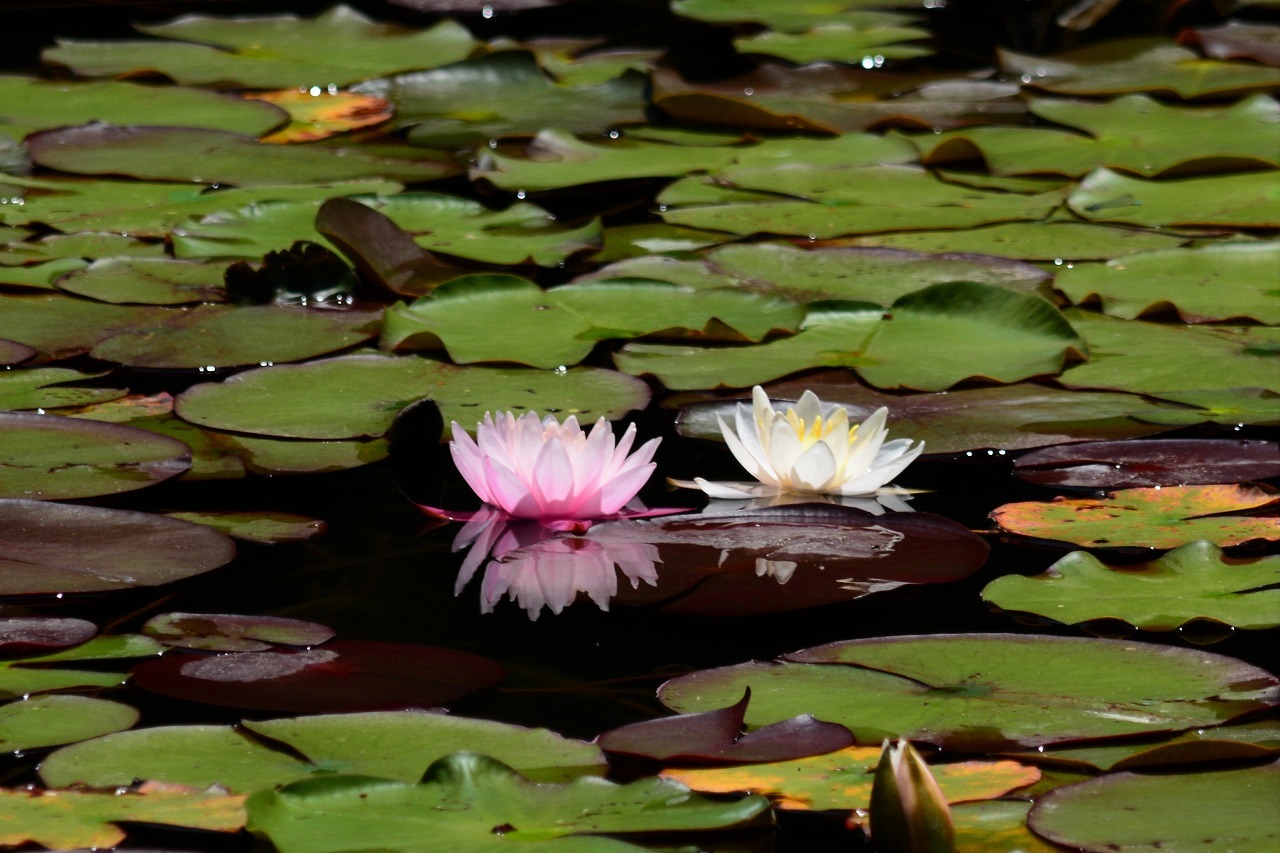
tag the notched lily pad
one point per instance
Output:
(344, 675)
(266, 527)
(1157, 462)
(225, 632)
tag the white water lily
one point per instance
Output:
(809, 448)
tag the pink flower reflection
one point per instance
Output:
(541, 564)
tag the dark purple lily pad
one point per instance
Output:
(1158, 462)
(717, 737)
(343, 676)
(1237, 40)
(49, 548)
(225, 632)
(788, 558)
(384, 253)
(20, 635)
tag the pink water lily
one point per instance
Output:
(541, 468)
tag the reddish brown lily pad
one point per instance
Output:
(21, 635)
(342, 676)
(1147, 518)
(225, 632)
(1156, 462)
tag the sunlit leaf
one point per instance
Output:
(23, 676)
(1032, 241)
(44, 721)
(1146, 518)
(1236, 200)
(318, 114)
(149, 281)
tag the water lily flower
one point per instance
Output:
(909, 812)
(544, 469)
(809, 448)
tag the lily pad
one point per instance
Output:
(342, 812)
(867, 40)
(716, 736)
(66, 820)
(338, 47)
(1153, 358)
(264, 527)
(86, 244)
(213, 157)
(1050, 240)
(982, 692)
(225, 632)
(12, 352)
(842, 780)
(1146, 518)
(788, 16)
(48, 457)
(1158, 462)
(503, 94)
(21, 677)
(1222, 281)
(1191, 582)
(359, 395)
(39, 276)
(147, 281)
(1235, 40)
(47, 388)
(24, 634)
(987, 332)
(49, 548)
(247, 758)
(344, 675)
(1238, 200)
(43, 721)
(1237, 742)
(1229, 809)
(317, 113)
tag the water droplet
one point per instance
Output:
(314, 91)
(519, 193)
(613, 134)
(486, 12)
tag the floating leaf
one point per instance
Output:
(344, 675)
(45, 388)
(148, 281)
(319, 745)
(359, 395)
(788, 16)
(44, 721)
(338, 47)
(24, 634)
(318, 114)
(842, 780)
(53, 458)
(982, 692)
(49, 548)
(87, 244)
(870, 39)
(1228, 809)
(65, 820)
(503, 94)
(40, 276)
(1218, 281)
(995, 826)
(213, 157)
(12, 352)
(225, 632)
(987, 332)
(24, 676)
(264, 527)
(1146, 518)
(1237, 742)
(1189, 583)
(1050, 240)
(1235, 40)
(1158, 462)
(1247, 200)
(1142, 64)
(716, 736)
(342, 812)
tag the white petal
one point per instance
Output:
(814, 469)
(725, 490)
(750, 441)
(808, 408)
(756, 466)
(880, 474)
(784, 448)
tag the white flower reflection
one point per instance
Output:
(541, 566)
(874, 504)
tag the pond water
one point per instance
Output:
(790, 220)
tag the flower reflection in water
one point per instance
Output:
(874, 504)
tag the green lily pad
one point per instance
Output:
(1219, 281)
(265, 527)
(1029, 241)
(359, 395)
(31, 675)
(1237, 742)
(65, 820)
(867, 40)
(153, 209)
(788, 16)
(1133, 133)
(578, 62)
(842, 780)
(842, 200)
(1235, 406)
(503, 94)
(29, 105)
(987, 332)
(50, 548)
(1002, 417)
(982, 692)
(1141, 64)
(338, 47)
(1146, 518)
(1151, 358)
(996, 826)
(88, 244)
(213, 157)
(40, 276)
(1223, 809)
(1248, 200)
(464, 796)
(43, 721)
(833, 334)
(276, 456)
(629, 241)
(229, 632)
(45, 388)
(148, 281)
(520, 234)
(392, 744)
(1191, 582)
(47, 457)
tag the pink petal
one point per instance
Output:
(509, 491)
(553, 480)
